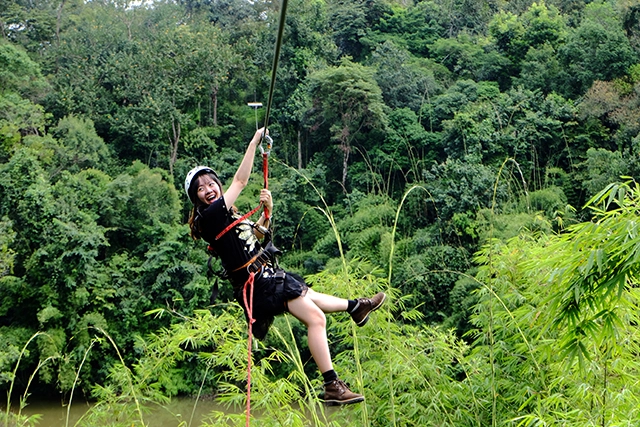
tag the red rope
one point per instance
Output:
(248, 285)
(234, 223)
(265, 173)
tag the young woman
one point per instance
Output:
(274, 290)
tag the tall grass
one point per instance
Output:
(23, 401)
(390, 274)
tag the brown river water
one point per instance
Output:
(179, 410)
(54, 414)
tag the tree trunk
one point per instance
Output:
(299, 150)
(345, 159)
(175, 140)
(214, 99)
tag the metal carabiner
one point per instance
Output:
(269, 143)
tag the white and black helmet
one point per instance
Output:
(193, 173)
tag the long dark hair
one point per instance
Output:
(194, 217)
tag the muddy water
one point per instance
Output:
(54, 414)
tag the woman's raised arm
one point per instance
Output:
(241, 178)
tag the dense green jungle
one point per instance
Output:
(476, 160)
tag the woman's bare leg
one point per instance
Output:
(306, 310)
(309, 309)
(327, 303)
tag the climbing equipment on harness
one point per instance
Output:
(269, 144)
(262, 258)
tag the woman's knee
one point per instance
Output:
(307, 312)
(318, 318)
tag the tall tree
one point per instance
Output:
(105, 64)
(597, 50)
(347, 103)
(404, 83)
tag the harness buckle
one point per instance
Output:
(254, 267)
(269, 144)
(260, 261)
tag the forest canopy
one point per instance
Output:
(476, 159)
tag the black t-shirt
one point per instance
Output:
(236, 246)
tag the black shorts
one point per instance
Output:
(270, 297)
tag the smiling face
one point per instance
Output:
(208, 189)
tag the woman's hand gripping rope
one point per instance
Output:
(260, 134)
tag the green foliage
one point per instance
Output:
(18, 117)
(501, 116)
(297, 224)
(389, 169)
(466, 59)
(507, 226)
(524, 332)
(507, 32)
(515, 35)
(19, 74)
(602, 168)
(404, 83)
(128, 106)
(7, 255)
(596, 281)
(81, 147)
(349, 22)
(550, 201)
(412, 27)
(462, 186)
(12, 340)
(385, 357)
(597, 50)
(541, 70)
(63, 244)
(426, 274)
(30, 24)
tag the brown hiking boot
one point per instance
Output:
(365, 306)
(337, 393)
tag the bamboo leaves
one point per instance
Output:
(548, 302)
(594, 265)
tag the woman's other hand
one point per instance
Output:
(267, 201)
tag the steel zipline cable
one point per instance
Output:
(276, 59)
(274, 69)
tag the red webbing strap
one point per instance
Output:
(248, 285)
(265, 173)
(234, 223)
